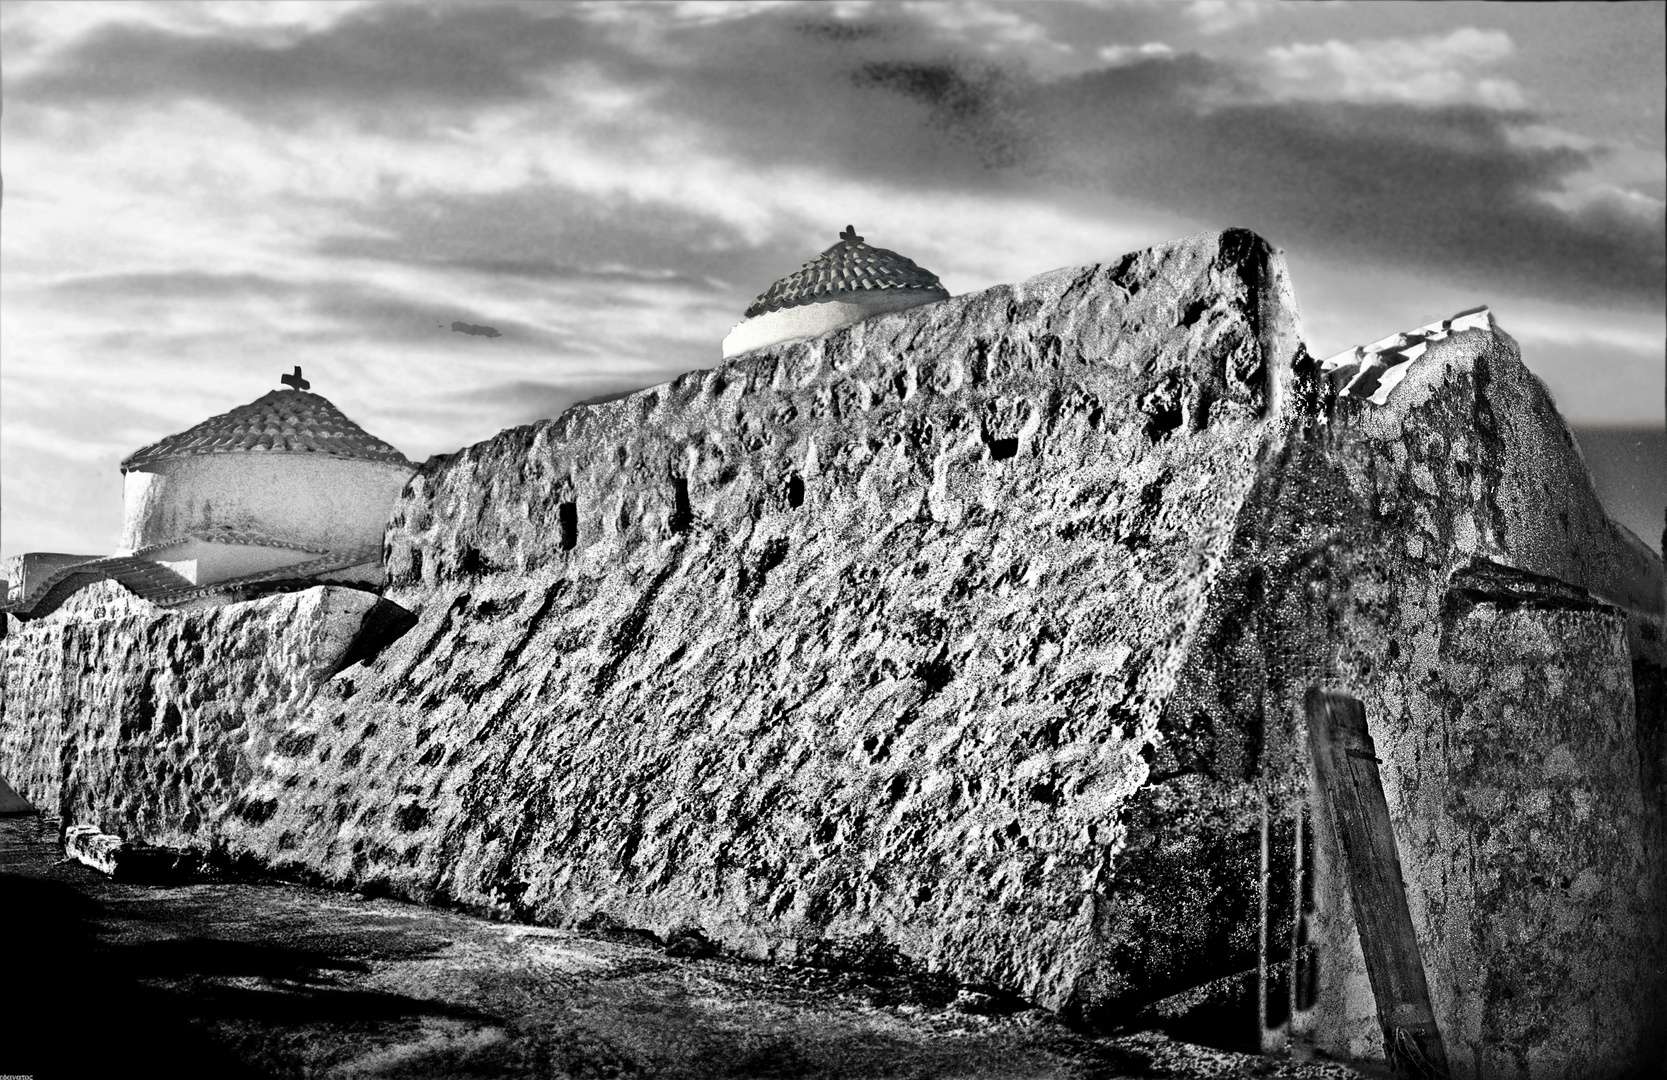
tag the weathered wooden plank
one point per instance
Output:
(1297, 986)
(1262, 930)
(1346, 768)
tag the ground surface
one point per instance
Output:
(242, 980)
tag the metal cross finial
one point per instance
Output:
(295, 380)
(850, 235)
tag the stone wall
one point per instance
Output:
(862, 635)
(1497, 625)
(1533, 856)
(912, 704)
(148, 723)
(976, 632)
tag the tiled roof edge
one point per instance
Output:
(825, 277)
(311, 418)
(759, 308)
(247, 537)
(140, 457)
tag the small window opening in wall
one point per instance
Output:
(1003, 448)
(569, 513)
(795, 492)
(682, 514)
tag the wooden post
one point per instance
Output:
(1262, 933)
(1294, 982)
(1346, 768)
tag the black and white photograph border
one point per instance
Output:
(921, 539)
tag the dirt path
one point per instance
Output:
(104, 979)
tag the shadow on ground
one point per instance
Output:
(88, 1002)
(239, 980)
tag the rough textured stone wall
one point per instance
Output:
(1535, 863)
(1353, 558)
(866, 635)
(148, 723)
(1443, 509)
(912, 704)
(979, 632)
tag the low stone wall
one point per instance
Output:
(146, 723)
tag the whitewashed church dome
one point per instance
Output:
(847, 283)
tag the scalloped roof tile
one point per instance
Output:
(848, 267)
(280, 422)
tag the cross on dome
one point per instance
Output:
(295, 380)
(850, 235)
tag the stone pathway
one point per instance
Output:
(238, 980)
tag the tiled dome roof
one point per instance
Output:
(850, 266)
(281, 422)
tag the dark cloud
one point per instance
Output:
(629, 249)
(396, 55)
(838, 31)
(1441, 189)
(175, 285)
(552, 233)
(371, 313)
(881, 99)
(774, 88)
(980, 103)
(1629, 470)
(385, 317)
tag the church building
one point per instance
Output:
(283, 492)
(284, 480)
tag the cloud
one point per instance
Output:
(1215, 17)
(992, 28)
(183, 285)
(705, 156)
(1595, 384)
(383, 57)
(1398, 148)
(1220, 16)
(1443, 186)
(1432, 70)
(774, 85)
(552, 232)
(1123, 54)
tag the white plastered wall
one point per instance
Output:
(312, 502)
(814, 320)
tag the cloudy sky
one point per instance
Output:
(199, 196)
